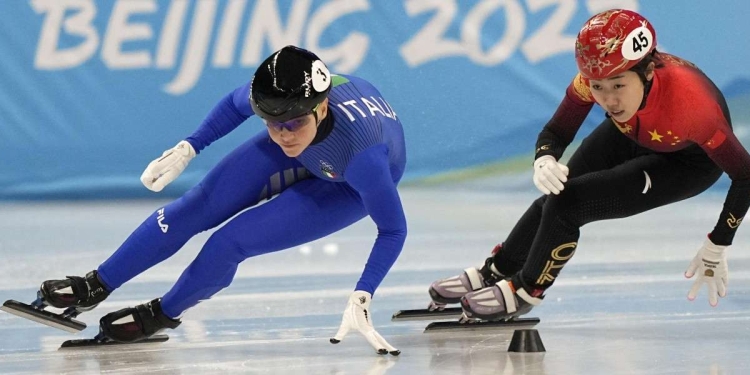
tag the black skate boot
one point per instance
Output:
(74, 294)
(82, 293)
(135, 324)
(451, 289)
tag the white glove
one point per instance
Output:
(549, 175)
(160, 172)
(711, 264)
(357, 316)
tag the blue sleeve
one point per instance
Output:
(369, 173)
(229, 113)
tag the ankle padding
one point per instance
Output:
(475, 279)
(534, 301)
(507, 291)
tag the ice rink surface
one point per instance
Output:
(619, 307)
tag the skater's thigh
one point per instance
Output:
(306, 211)
(254, 171)
(638, 185)
(605, 148)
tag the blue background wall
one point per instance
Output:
(91, 91)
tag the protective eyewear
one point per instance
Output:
(294, 124)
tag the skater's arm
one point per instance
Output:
(723, 147)
(710, 263)
(369, 173)
(229, 113)
(564, 124)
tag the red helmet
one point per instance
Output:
(612, 42)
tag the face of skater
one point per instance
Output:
(295, 135)
(621, 94)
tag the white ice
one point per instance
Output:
(619, 307)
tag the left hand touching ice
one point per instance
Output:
(357, 316)
(711, 264)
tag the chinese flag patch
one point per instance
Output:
(716, 140)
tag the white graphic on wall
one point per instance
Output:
(431, 42)
(135, 38)
(126, 24)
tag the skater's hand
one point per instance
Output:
(549, 175)
(160, 172)
(711, 264)
(357, 316)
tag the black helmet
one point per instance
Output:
(288, 84)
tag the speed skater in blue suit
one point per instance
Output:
(333, 153)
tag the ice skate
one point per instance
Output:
(74, 294)
(496, 306)
(450, 290)
(137, 323)
(501, 301)
(132, 325)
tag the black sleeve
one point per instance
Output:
(562, 127)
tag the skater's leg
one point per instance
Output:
(605, 148)
(510, 256)
(633, 187)
(252, 172)
(307, 211)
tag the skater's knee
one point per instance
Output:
(567, 207)
(222, 246)
(191, 213)
(539, 202)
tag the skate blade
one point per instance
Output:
(88, 343)
(482, 324)
(426, 314)
(41, 316)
